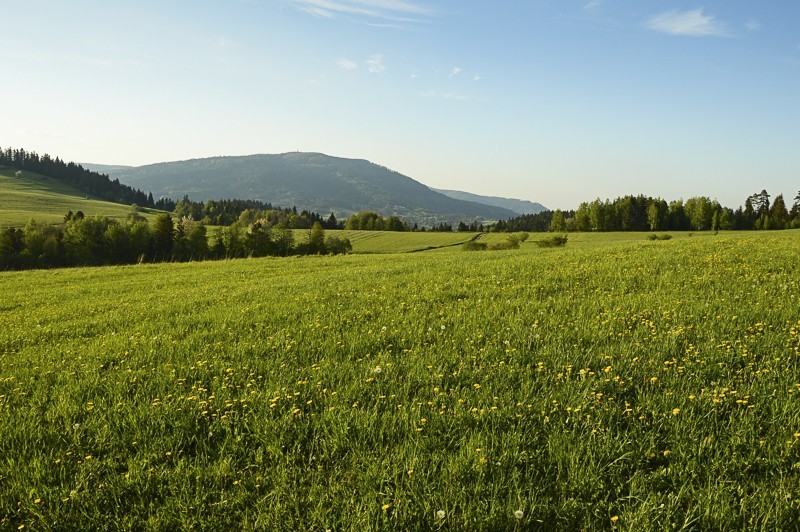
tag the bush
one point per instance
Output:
(511, 242)
(555, 241)
(474, 245)
(338, 246)
(659, 237)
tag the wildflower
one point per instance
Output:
(385, 507)
(676, 411)
(614, 520)
(519, 514)
(377, 369)
(440, 514)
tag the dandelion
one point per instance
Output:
(519, 514)
(614, 520)
(377, 369)
(440, 514)
(385, 507)
(676, 411)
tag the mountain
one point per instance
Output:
(311, 181)
(516, 205)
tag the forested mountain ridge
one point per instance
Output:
(312, 181)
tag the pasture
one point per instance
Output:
(608, 385)
(47, 200)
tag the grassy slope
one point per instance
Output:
(45, 199)
(637, 385)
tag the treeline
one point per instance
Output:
(95, 241)
(372, 221)
(642, 213)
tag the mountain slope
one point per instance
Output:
(309, 181)
(516, 205)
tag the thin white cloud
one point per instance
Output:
(346, 64)
(594, 4)
(692, 23)
(456, 71)
(444, 95)
(375, 64)
(397, 10)
(476, 78)
(753, 25)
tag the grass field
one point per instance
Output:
(609, 386)
(45, 199)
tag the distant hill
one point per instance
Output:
(44, 199)
(310, 181)
(516, 205)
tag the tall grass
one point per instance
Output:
(636, 386)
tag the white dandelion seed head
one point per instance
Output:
(440, 514)
(519, 514)
(377, 369)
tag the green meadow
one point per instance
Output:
(33, 196)
(614, 384)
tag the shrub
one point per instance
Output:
(474, 245)
(659, 237)
(511, 242)
(555, 241)
(338, 246)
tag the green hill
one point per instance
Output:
(45, 199)
(311, 181)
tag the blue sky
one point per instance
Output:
(554, 101)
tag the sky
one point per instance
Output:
(553, 101)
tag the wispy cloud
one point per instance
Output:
(445, 96)
(753, 25)
(594, 4)
(476, 78)
(375, 64)
(395, 10)
(456, 71)
(693, 23)
(346, 64)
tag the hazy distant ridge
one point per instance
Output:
(517, 205)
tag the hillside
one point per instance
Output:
(517, 205)
(310, 181)
(46, 199)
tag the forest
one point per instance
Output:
(643, 213)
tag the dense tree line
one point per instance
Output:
(92, 241)
(372, 221)
(642, 213)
